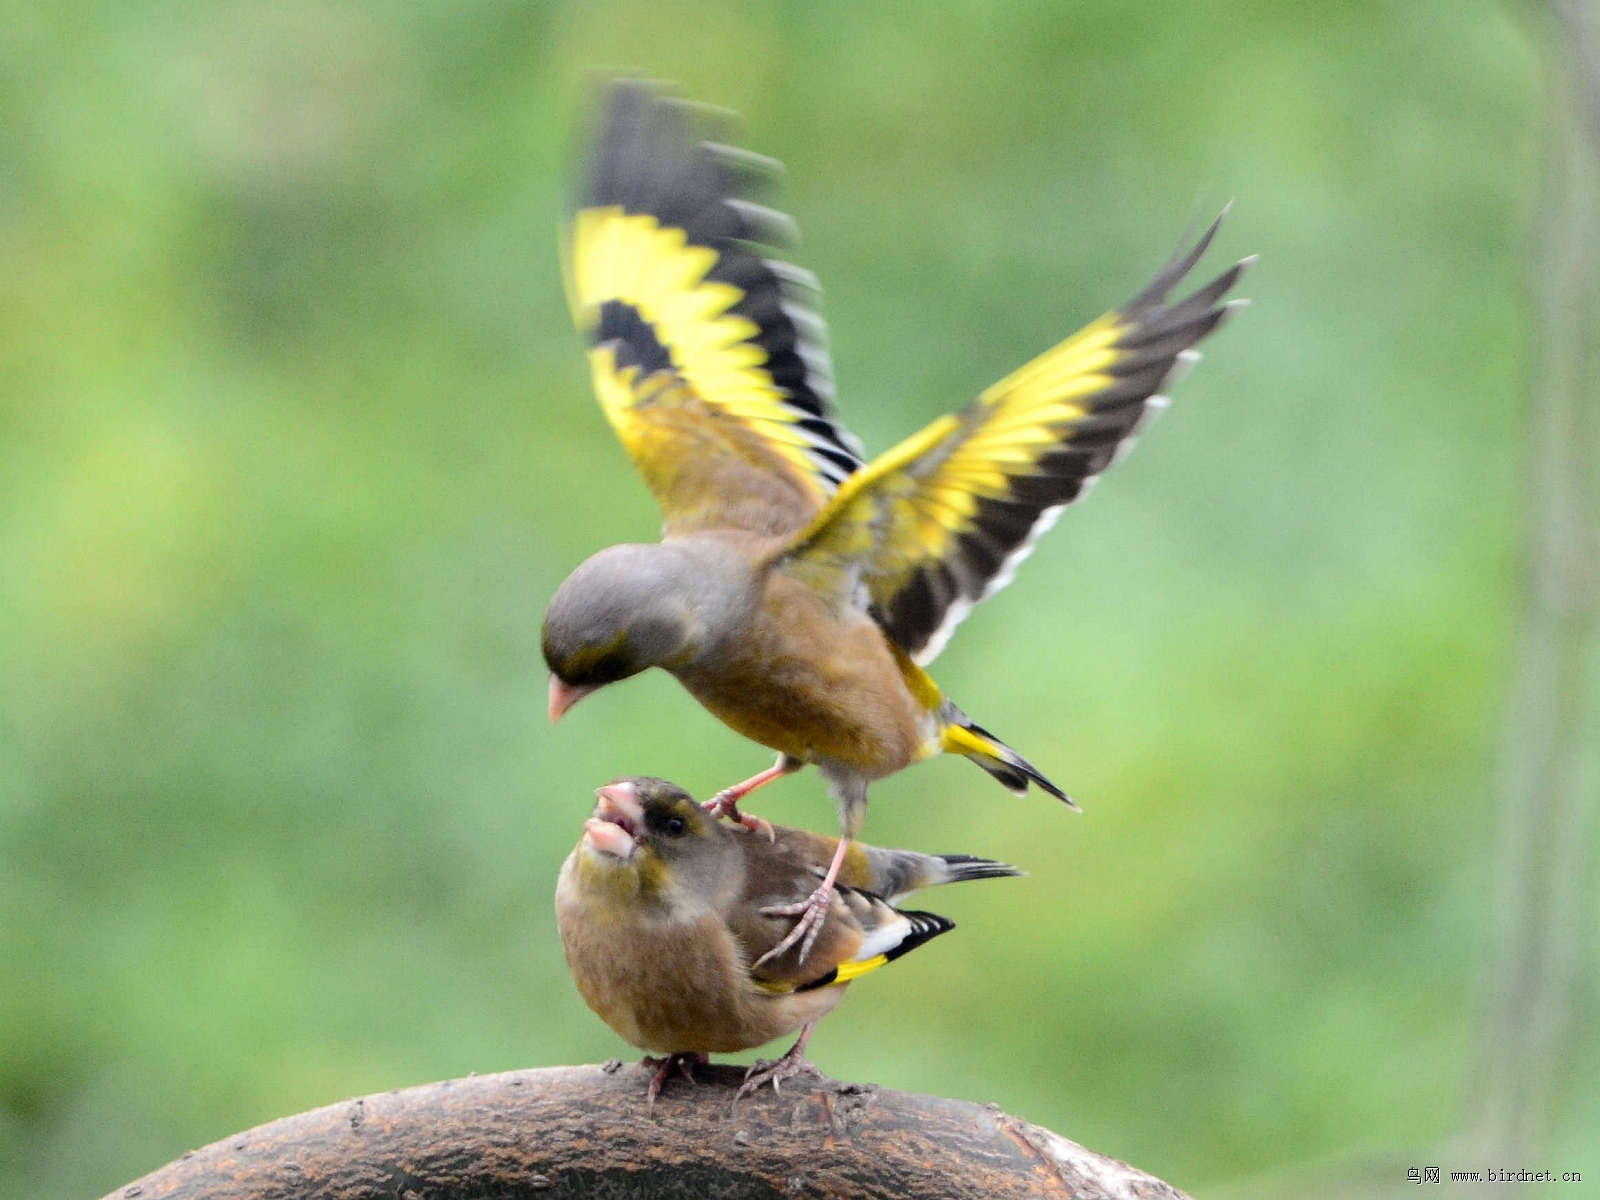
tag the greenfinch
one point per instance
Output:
(797, 591)
(662, 913)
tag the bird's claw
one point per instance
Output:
(726, 804)
(757, 825)
(812, 911)
(774, 1071)
(683, 1062)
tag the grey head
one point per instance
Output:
(636, 606)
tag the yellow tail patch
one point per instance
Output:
(958, 739)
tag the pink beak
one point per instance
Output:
(619, 802)
(564, 695)
(608, 838)
(617, 820)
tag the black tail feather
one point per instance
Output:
(970, 866)
(1011, 769)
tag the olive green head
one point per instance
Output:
(648, 837)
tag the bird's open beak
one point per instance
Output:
(618, 817)
(564, 695)
(608, 838)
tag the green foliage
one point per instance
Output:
(296, 441)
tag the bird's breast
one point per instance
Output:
(815, 682)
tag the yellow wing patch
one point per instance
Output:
(895, 932)
(942, 520)
(713, 364)
(702, 347)
(834, 977)
(633, 260)
(855, 970)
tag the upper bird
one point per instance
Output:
(797, 591)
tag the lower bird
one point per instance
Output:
(798, 591)
(662, 915)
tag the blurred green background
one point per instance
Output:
(296, 441)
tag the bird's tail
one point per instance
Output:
(961, 736)
(959, 867)
(895, 874)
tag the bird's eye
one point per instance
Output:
(676, 827)
(608, 669)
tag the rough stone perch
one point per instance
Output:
(586, 1131)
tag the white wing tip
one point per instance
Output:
(884, 938)
(1182, 363)
(959, 608)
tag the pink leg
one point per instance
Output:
(726, 802)
(683, 1062)
(791, 1064)
(812, 911)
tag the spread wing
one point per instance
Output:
(707, 352)
(941, 521)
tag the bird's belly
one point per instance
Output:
(669, 1024)
(849, 706)
(669, 986)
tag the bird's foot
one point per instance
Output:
(812, 911)
(683, 1062)
(726, 804)
(775, 1071)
